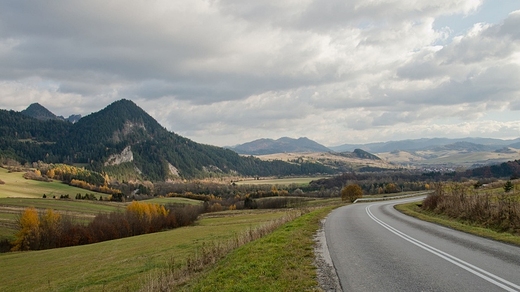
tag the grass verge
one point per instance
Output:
(280, 261)
(412, 209)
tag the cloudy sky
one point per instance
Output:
(224, 72)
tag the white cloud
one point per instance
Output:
(226, 71)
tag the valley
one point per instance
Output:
(103, 164)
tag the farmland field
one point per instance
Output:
(123, 264)
(76, 206)
(174, 200)
(18, 193)
(17, 186)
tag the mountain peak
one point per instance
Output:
(39, 112)
(120, 121)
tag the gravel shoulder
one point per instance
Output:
(327, 277)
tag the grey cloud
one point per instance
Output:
(267, 66)
(337, 14)
(494, 84)
(495, 42)
(510, 26)
(419, 70)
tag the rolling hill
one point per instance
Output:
(282, 145)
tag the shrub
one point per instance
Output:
(508, 186)
(499, 212)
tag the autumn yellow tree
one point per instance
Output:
(28, 236)
(145, 213)
(49, 229)
(50, 173)
(351, 193)
(391, 188)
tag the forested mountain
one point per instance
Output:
(27, 139)
(125, 141)
(282, 145)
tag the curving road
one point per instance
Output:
(376, 248)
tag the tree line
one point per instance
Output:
(43, 230)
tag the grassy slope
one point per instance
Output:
(174, 200)
(17, 186)
(79, 206)
(281, 261)
(18, 193)
(118, 265)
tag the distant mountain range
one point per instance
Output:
(430, 144)
(125, 142)
(423, 153)
(305, 145)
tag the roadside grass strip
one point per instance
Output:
(280, 261)
(413, 210)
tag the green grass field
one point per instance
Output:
(17, 186)
(174, 200)
(76, 206)
(129, 264)
(120, 265)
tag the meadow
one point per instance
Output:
(124, 264)
(174, 200)
(17, 186)
(131, 264)
(18, 193)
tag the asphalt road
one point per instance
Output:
(376, 248)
